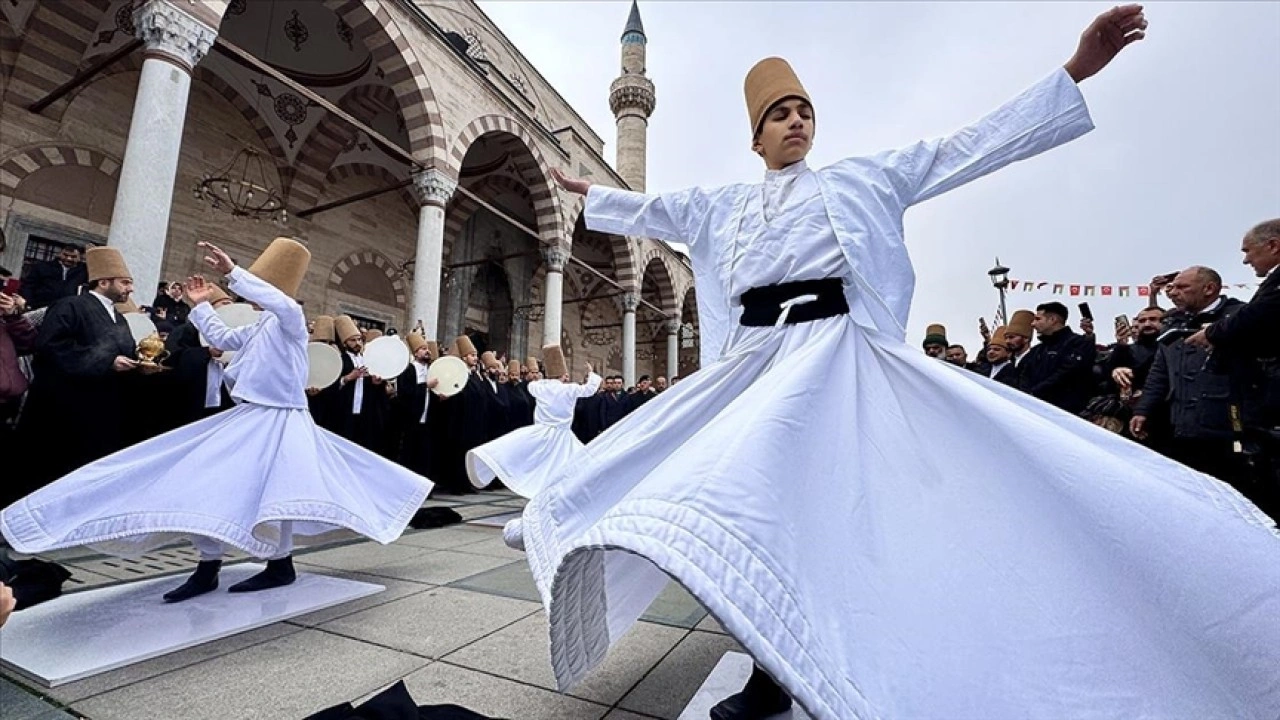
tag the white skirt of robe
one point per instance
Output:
(526, 460)
(892, 537)
(233, 477)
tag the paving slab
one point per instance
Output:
(666, 691)
(513, 581)
(493, 546)
(357, 557)
(728, 678)
(522, 652)
(395, 589)
(446, 538)
(17, 703)
(433, 623)
(292, 677)
(437, 567)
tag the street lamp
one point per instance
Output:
(1000, 280)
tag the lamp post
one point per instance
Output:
(1000, 280)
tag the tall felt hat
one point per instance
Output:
(415, 341)
(371, 334)
(105, 263)
(463, 346)
(489, 360)
(513, 368)
(128, 306)
(531, 364)
(998, 338)
(345, 328)
(935, 335)
(553, 358)
(322, 329)
(770, 81)
(217, 295)
(1021, 324)
(283, 264)
(433, 350)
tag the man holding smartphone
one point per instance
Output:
(1060, 369)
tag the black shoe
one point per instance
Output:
(278, 574)
(760, 699)
(203, 580)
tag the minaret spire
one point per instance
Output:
(631, 97)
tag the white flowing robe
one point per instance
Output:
(890, 536)
(236, 477)
(527, 459)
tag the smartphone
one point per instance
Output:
(1085, 312)
(11, 286)
(1122, 325)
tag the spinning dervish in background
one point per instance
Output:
(253, 477)
(526, 460)
(868, 547)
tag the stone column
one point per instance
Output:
(553, 294)
(433, 190)
(673, 348)
(630, 301)
(174, 42)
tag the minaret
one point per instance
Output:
(631, 99)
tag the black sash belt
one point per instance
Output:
(761, 306)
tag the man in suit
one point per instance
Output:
(1249, 343)
(1059, 370)
(51, 280)
(1000, 365)
(83, 362)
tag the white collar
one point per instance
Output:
(793, 170)
(106, 303)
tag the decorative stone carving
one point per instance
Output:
(556, 257)
(634, 93)
(432, 187)
(673, 326)
(630, 301)
(173, 33)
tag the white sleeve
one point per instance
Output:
(590, 387)
(207, 320)
(674, 217)
(269, 298)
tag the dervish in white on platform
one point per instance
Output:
(253, 477)
(843, 504)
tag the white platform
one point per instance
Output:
(727, 678)
(86, 633)
(496, 520)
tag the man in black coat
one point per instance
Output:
(195, 382)
(1249, 343)
(1060, 369)
(82, 367)
(1190, 390)
(50, 280)
(362, 406)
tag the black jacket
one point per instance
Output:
(1187, 385)
(1248, 341)
(44, 283)
(1059, 370)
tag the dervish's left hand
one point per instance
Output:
(1200, 340)
(1106, 36)
(216, 258)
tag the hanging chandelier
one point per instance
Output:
(243, 188)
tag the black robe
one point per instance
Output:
(76, 401)
(586, 418)
(415, 436)
(188, 378)
(368, 428)
(467, 428)
(520, 406)
(613, 407)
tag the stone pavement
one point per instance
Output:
(460, 621)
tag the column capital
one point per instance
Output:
(172, 34)
(556, 257)
(630, 301)
(673, 326)
(433, 187)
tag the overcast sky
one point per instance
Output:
(1184, 159)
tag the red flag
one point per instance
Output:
(1075, 290)
(1143, 290)
(1106, 291)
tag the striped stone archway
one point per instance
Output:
(326, 142)
(369, 170)
(624, 263)
(376, 259)
(461, 207)
(655, 266)
(18, 165)
(530, 165)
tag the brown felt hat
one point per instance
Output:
(998, 338)
(489, 360)
(935, 335)
(463, 346)
(553, 358)
(415, 341)
(1021, 324)
(322, 330)
(433, 350)
(769, 82)
(217, 295)
(283, 264)
(105, 263)
(531, 364)
(345, 329)
(513, 368)
(128, 306)
(371, 334)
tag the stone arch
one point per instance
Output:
(461, 207)
(624, 261)
(655, 268)
(367, 269)
(359, 169)
(53, 43)
(18, 165)
(331, 136)
(531, 166)
(370, 21)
